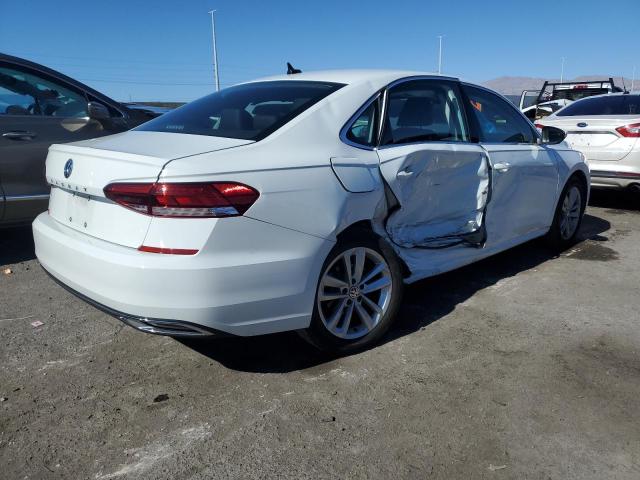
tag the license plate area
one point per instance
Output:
(98, 217)
(70, 208)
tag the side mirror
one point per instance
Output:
(98, 111)
(553, 135)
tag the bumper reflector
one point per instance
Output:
(167, 251)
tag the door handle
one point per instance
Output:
(19, 135)
(404, 173)
(502, 167)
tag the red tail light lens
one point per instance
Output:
(632, 130)
(539, 126)
(195, 200)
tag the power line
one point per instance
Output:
(169, 84)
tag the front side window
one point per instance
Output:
(250, 111)
(424, 111)
(495, 120)
(605, 105)
(25, 93)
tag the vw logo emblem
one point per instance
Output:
(68, 168)
(582, 125)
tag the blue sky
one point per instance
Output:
(161, 50)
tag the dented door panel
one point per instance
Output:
(442, 191)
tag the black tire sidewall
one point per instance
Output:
(554, 237)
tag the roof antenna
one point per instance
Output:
(291, 70)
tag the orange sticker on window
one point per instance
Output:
(476, 105)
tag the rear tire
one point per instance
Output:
(568, 215)
(358, 295)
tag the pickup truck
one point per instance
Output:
(536, 104)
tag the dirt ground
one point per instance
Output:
(523, 366)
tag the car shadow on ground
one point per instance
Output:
(16, 245)
(614, 200)
(425, 302)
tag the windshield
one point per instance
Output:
(250, 111)
(605, 105)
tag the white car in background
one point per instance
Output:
(606, 129)
(302, 202)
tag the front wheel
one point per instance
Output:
(358, 295)
(568, 215)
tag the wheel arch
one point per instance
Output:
(583, 178)
(365, 229)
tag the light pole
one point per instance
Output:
(215, 50)
(633, 78)
(440, 54)
(562, 71)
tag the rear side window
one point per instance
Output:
(495, 119)
(606, 105)
(250, 111)
(363, 130)
(424, 111)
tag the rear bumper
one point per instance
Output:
(156, 326)
(614, 179)
(618, 174)
(250, 278)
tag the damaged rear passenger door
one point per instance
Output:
(440, 179)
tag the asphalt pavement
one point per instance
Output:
(522, 366)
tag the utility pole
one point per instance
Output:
(216, 76)
(440, 54)
(562, 71)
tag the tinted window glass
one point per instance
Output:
(24, 93)
(424, 110)
(250, 111)
(495, 119)
(363, 129)
(607, 105)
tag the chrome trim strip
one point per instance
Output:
(588, 132)
(613, 174)
(20, 198)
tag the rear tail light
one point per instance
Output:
(539, 126)
(632, 130)
(192, 200)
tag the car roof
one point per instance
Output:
(352, 77)
(607, 95)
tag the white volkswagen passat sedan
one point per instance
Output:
(302, 202)
(606, 129)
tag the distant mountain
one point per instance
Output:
(515, 85)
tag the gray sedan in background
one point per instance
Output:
(38, 107)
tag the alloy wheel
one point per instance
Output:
(354, 293)
(570, 214)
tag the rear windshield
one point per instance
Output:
(576, 93)
(250, 111)
(606, 105)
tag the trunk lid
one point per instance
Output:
(596, 136)
(78, 173)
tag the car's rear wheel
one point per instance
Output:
(358, 295)
(568, 215)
